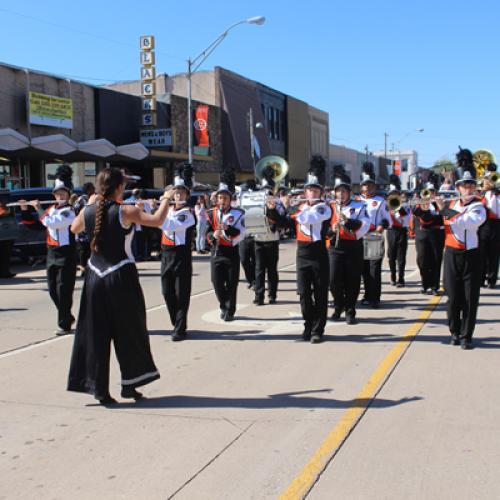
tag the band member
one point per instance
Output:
(462, 265)
(61, 248)
(429, 240)
(378, 212)
(489, 232)
(311, 220)
(176, 259)
(397, 235)
(82, 239)
(348, 224)
(267, 252)
(225, 230)
(112, 306)
(247, 258)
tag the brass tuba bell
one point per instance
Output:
(272, 168)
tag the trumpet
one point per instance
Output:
(494, 178)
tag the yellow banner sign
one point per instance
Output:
(50, 111)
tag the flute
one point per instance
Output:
(28, 202)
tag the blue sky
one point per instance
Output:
(376, 66)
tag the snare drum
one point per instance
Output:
(373, 246)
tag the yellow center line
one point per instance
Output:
(303, 483)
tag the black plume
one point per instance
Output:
(268, 175)
(250, 185)
(338, 171)
(369, 169)
(65, 174)
(492, 167)
(395, 180)
(185, 172)
(228, 177)
(465, 162)
(433, 178)
(317, 168)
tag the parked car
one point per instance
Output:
(30, 243)
(8, 223)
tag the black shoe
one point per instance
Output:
(466, 345)
(8, 275)
(336, 316)
(375, 305)
(316, 339)
(306, 334)
(435, 292)
(251, 285)
(178, 336)
(61, 331)
(106, 400)
(131, 393)
(400, 284)
(365, 302)
(491, 286)
(455, 340)
(423, 291)
(393, 282)
(350, 318)
(228, 317)
(430, 291)
(272, 300)
(258, 302)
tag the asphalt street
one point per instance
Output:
(386, 409)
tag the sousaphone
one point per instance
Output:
(272, 169)
(482, 158)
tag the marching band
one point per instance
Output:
(339, 241)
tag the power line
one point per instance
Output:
(81, 32)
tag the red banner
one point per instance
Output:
(397, 167)
(201, 126)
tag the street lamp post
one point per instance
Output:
(195, 63)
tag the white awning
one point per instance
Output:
(136, 150)
(58, 144)
(10, 140)
(97, 147)
(62, 146)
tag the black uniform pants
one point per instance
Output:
(83, 252)
(225, 272)
(176, 274)
(247, 257)
(462, 281)
(61, 275)
(345, 276)
(312, 284)
(266, 260)
(429, 246)
(397, 246)
(372, 279)
(489, 245)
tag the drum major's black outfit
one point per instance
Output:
(112, 308)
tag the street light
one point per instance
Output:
(195, 63)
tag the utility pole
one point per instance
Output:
(385, 144)
(366, 152)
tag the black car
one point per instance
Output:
(30, 243)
